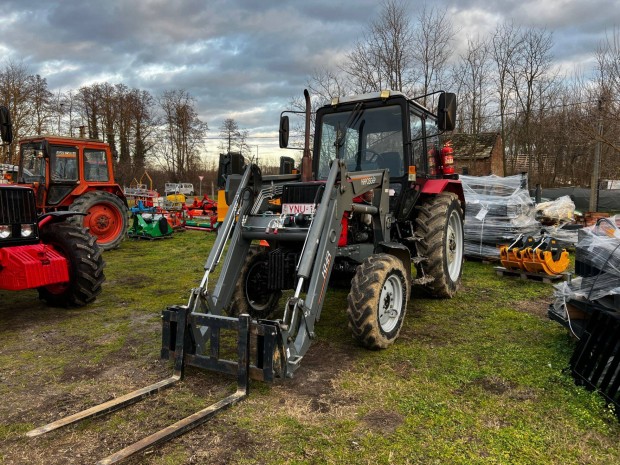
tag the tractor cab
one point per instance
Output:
(76, 174)
(385, 130)
(57, 166)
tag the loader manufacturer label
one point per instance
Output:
(368, 180)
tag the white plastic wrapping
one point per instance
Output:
(560, 210)
(498, 209)
(597, 268)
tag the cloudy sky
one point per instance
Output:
(245, 59)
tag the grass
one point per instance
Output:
(478, 379)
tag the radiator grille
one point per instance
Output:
(17, 205)
(301, 193)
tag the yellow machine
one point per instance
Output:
(542, 256)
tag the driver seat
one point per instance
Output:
(393, 161)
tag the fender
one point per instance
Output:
(398, 250)
(437, 186)
(54, 217)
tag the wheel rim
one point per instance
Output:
(390, 303)
(104, 221)
(454, 245)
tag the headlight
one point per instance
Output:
(27, 230)
(5, 231)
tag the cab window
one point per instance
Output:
(63, 162)
(95, 165)
(417, 140)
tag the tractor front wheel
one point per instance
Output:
(84, 261)
(251, 295)
(378, 301)
(106, 217)
(440, 223)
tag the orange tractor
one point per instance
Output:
(76, 174)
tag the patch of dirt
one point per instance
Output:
(214, 443)
(433, 335)
(137, 280)
(405, 369)
(79, 372)
(321, 364)
(536, 307)
(382, 421)
(492, 385)
(312, 389)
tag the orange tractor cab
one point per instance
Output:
(76, 174)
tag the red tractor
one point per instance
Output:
(76, 174)
(45, 252)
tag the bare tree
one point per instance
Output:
(142, 105)
(431, 47)
(90, 108)
(42, 105)
(472, 76)
(504, 45)
(531, 77)
(233, 138)
(16, 92)
(383, 58)
(183, 134)
(67, 104)
(109, 109)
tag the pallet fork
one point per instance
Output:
(191, 334)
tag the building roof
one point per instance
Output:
(474, 146)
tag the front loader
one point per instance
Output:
(350, 212)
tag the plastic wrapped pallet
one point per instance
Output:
(566, 234)
(498, 209)
(597, 266)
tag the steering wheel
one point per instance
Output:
(375, 157)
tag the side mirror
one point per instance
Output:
(284, 131)
(446, 112)
(6, 128)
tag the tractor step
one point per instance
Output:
(423, 281)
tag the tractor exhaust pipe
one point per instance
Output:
(306, 160)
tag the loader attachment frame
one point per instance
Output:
(265, 349)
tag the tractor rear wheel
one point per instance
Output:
(251, 295)
(378, 301)
(106, 217)
(440, 223)
(85, 266)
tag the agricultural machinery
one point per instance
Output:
(541, 256)
(148, 222)
(202, 214)
(378, 202)
(76, 174)
(45, 252)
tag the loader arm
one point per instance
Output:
(319, 251)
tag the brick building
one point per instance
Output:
(478, 155)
